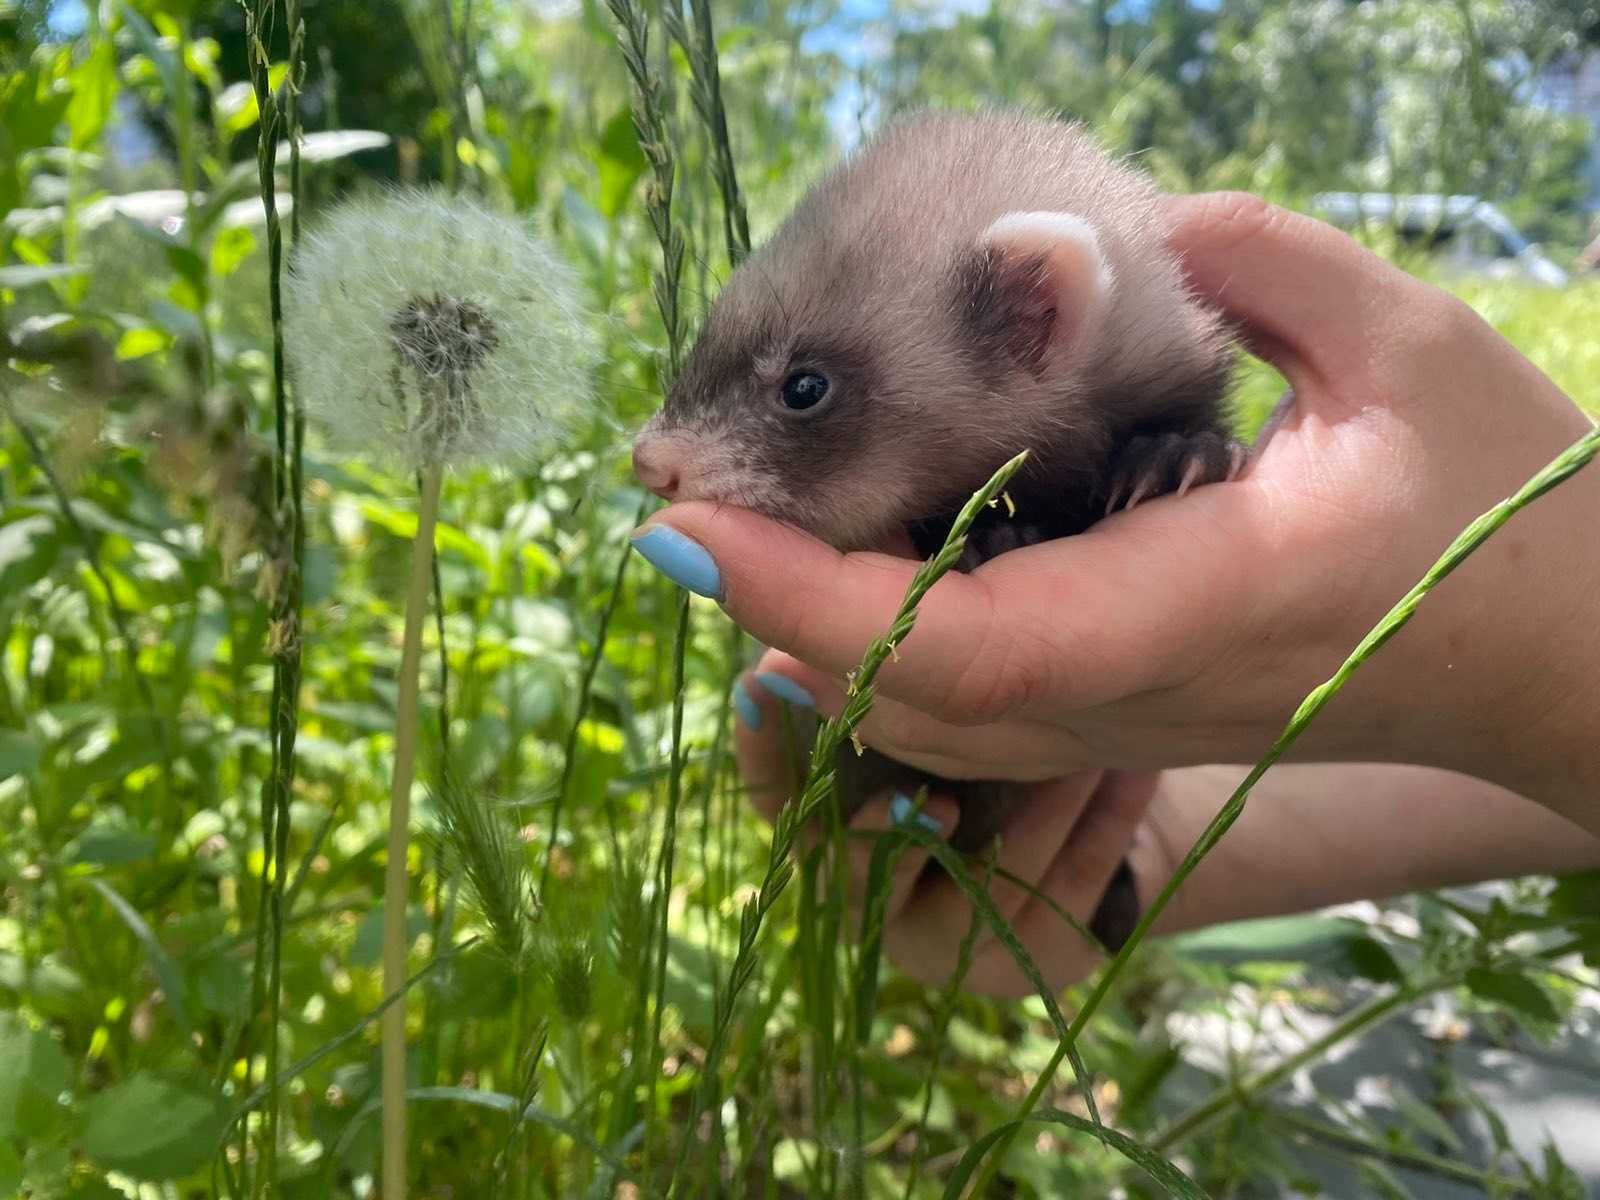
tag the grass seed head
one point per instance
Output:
(423, 328)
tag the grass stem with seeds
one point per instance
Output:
(820, 782)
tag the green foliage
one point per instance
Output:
(629, 992)
(152, 1128)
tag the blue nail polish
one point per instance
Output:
(785, 688)
(681, 559)
(749, 711)
(903, 810)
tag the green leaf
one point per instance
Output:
(153, 1128)
(1365, 957)
(137, 343)
(94, 91)
(1577, 895)
(51, 987)
(1425, 1118)
(1513, 990)
(447, 538)
(24, 275)
(109, 842)
(235, 108)
(230, 248)
(33, 1074)
(28, 549)
(10, 1169)
(1333, 943)
(19, 752)
(171, 981)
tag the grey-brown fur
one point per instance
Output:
(877, 279)
(880, 280)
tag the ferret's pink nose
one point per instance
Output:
(656, 467)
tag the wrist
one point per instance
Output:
(1539, 725)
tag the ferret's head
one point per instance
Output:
(852, 397)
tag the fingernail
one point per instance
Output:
(749, 711)
(785, 688)
(903, 810)
(681, 559)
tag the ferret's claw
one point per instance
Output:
(1239, 456)
(1191, 474)
(1172, 464)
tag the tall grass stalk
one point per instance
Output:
(705, 74)
(286, 559)
(395, 875)
(661, 898)
(569, 749)
(966, 954)
(1563, 467)
(650, 127)
(655, 142)
(819, 785)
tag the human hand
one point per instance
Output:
(1187, 630)
(1067, 839)
(1313, 834)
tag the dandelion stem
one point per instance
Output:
(394, 891)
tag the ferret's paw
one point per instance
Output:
(1171, 464)
(991, 539)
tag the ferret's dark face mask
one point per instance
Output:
(788, 426)
(853, 406)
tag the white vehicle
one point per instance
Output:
(1470, 234)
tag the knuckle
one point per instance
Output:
(1237, 216)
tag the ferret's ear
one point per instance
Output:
(1037, 283)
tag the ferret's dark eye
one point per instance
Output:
(804, 389)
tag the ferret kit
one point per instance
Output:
(960, 289)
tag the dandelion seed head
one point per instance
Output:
(424, 328)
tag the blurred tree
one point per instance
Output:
(1284, 97)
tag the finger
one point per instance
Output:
(1018, 749)
(926, 938)
(1084, 620)
(937, 814)
(1100, 843)
(1313, 300)
(1037, 832)
(772, 742)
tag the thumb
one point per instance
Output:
(1310, 300)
